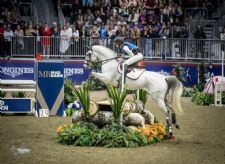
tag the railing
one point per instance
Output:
(155, 48)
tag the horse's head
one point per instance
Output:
(90, 59)
(98, 54)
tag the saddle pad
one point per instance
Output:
(134, 74)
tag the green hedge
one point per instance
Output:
(88, 134)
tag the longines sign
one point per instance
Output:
(16, 71)
(73, 71)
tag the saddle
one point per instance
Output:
(133, 71)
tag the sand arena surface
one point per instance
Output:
(201, 139)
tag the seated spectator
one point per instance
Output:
(133, 17)
(142, 17)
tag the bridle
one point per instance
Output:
(89, 63)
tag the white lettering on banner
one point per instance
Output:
(3, 106)
(50, 74)
(162, 72)
(16, 71)
(73, 71)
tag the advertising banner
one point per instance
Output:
(74, 70)
(15, 105)
(50, 86)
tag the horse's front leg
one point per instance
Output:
(102, 77)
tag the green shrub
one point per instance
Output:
(95, 84)
(19, 94)
(69, 94)
(87, 134)
(188, 92)
(201, 76)
(83, 95)
(223, 98)
(70, 111)
(201, 98)
(143, 96)
(2, 94)
(117, 98)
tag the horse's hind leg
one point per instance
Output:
(168, 105)
(162, 105)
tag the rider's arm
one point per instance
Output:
(128, 51)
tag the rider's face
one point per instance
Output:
(117, 45)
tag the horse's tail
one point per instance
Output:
(176, 89)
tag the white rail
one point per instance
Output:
(17, 82)
(26, 84)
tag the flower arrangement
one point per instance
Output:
(154, 133)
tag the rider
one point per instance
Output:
(131, 50)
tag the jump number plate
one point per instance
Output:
(44, 113)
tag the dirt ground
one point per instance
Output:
(201, 139)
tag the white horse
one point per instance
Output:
(157, 85)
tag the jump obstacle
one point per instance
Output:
(47, 86)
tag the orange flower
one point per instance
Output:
(160, 137)
(145, 131)
(150, 139)
(153, 133)
(60, 128)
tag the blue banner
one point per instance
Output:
(17, 69)
(50, 86)
(15, 105)
(74, 70)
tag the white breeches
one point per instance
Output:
(134, 59)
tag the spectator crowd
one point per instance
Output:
(102, 21)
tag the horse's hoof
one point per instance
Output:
(171, 137)
(177, 126)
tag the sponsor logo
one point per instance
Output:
(51, 74)
(162, 72)
(3, 106)
(16, 71)
(73, 71)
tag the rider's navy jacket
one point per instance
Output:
(131, 46)
(102, 33)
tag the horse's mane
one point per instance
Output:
(104, 51)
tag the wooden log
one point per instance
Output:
(106, 117)
(134, 119)
(149, 117)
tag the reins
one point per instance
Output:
(104, 61)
